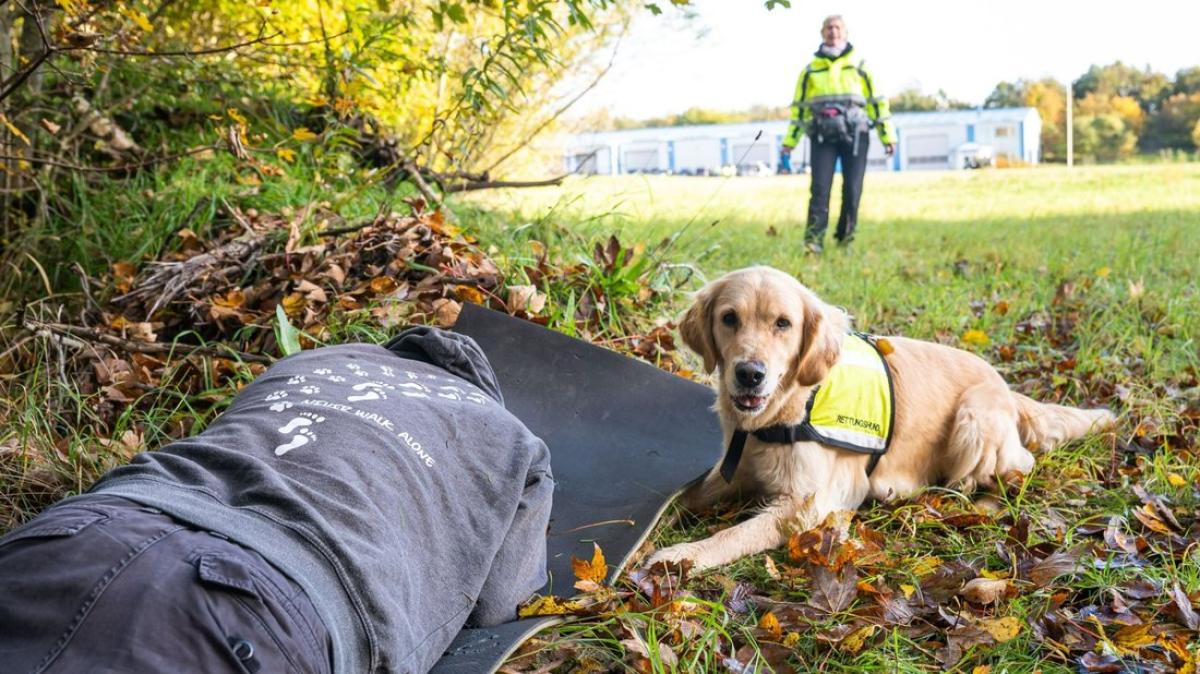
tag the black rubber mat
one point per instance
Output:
(624, 438)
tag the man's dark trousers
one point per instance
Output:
(100, 584)
(854, 167)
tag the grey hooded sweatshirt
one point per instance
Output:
(388, 481)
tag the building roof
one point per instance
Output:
(748, 130)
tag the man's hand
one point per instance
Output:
(785, 151)
(890, 149)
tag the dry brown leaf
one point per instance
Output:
(772, 570)
(985, 591)
(445, 312)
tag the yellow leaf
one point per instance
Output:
(982, 669)
(885, 347)
(140, 19)
(791, 639)
(975, 338)
(235, 299)
(1132, 638)
(304, 135)
(1103, 272)
(1176, 480)
(469, 294)
(926, 565)
(1001, 629)
(285, 154)
(771, 625)
(12, 128)
(908, 591)
(595, 571)
(854, 642)
(293, 304)
(993, 575)
(548, 605)
(236, 116)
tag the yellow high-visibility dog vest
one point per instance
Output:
(854, 408)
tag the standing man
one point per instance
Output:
(836, 104)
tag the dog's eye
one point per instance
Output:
(730, 319)
(783, 324)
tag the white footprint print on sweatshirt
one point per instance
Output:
(280, 406)
(450, 392)
(387, 371)
(477, 398)
(373, 391)
(301, 435)
(323, 371)
(275, 395)
(310, 390)
(413, 390)
(336, 378)
(298, 379)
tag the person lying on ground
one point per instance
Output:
(350, 511)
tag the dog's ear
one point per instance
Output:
(696, 326)
(824, 328)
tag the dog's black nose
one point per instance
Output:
(750, 373)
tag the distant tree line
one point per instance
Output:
(1119, 110)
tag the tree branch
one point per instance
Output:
(559, 112)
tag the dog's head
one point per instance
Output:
(765, 334)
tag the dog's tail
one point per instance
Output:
(1045, 426)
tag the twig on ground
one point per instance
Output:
(72, 333)
(496, 184)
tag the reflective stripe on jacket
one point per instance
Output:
(838, 80)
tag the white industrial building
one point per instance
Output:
(951, 139)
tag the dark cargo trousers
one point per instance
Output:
(101, 584)
(824, 156)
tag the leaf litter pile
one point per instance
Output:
(155, 348)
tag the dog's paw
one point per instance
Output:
(676, 554)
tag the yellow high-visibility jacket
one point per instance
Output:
(843, 80)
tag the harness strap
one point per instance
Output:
(779, 435)
(733, 455)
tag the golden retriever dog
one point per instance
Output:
(772, 341)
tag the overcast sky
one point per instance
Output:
(735, 53)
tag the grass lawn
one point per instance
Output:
(1080, 286)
